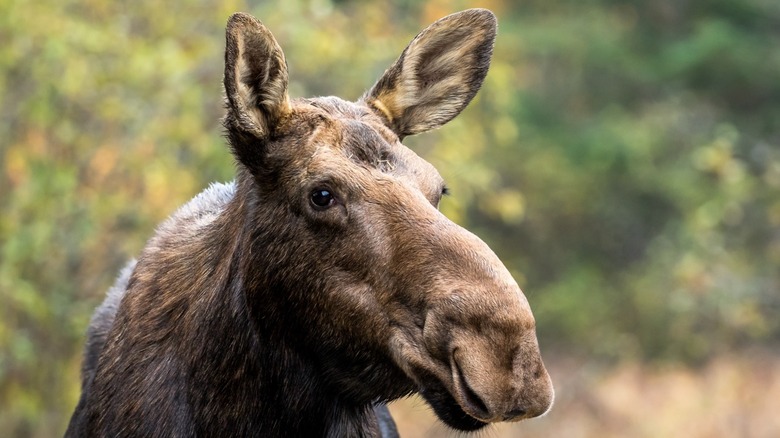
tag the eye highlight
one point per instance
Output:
(321, 199)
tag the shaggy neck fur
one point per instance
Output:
(216, 354)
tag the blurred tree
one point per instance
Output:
(648, 134)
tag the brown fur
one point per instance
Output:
(256, 312)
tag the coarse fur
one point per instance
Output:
(323, 282)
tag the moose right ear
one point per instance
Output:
(255, 80)
(437, 74)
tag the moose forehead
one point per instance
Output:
(348, 140)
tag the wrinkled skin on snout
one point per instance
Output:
(396, 275)
(323, 282)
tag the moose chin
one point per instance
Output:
(323, 282)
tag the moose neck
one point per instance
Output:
(250, 350)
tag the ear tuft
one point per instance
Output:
(437, 74)
(255, 77)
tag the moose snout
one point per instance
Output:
(480, 338)
(496, 372)
(491, 390)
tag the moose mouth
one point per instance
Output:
(447, 408)
(449, 411)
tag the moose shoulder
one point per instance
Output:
(323, 282)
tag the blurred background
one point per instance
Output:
(622, 158)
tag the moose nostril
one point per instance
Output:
(471, 397)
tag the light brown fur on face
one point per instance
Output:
(452, 316)
(324, 281)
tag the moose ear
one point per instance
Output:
(437, 74)
(255, 78)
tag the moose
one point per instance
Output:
(323, 282)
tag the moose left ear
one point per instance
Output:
(255, 77)
(437, 74)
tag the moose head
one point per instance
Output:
(347, 247)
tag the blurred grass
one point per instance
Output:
(622, 159)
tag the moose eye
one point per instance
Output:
(321, 199)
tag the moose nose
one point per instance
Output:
(501, 393)
(515, 414)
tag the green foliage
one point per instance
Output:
(622, 158)
(648, 159)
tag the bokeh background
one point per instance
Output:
(622, 158)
